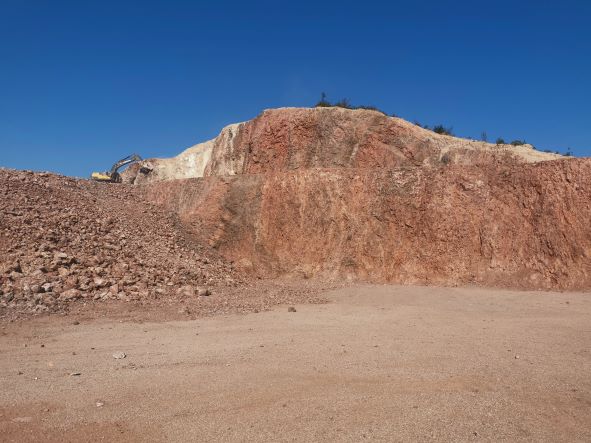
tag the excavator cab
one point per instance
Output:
(113, 176)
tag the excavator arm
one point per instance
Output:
(123, 162)
(113, 176)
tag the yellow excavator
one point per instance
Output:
(113, 176)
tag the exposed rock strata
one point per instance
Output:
(330, 192)
(294, 138)
(522, 226)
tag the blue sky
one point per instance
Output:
(83, 84)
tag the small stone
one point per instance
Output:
(70, 294)
(76, 323)
(186, 291)
(99, 404)
(15, 275)
(517, 357)
(291, 309)
(203, 292)
(71, 282)
(75, 374)
(100, 282)
(118, 355)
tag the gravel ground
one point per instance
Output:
(382, 363)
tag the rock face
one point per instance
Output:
(294, 139)
(354, 194)
(329, 193)
(521, 226)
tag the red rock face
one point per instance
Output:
(511, 225)
(295, 139)
(355, 194)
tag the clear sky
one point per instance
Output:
(84, 83)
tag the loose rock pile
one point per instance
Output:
(63, 239)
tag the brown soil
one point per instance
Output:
(382, 363)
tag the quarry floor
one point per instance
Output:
(382, 363)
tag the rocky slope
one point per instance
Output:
(295, 138)
(349, 194)
(63, 240)
(315, 193)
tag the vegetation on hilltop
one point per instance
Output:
(438, 129)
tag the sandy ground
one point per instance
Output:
(384, 363)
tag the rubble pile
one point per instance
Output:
(65, 240)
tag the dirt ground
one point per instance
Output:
(385, 363)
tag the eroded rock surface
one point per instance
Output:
(299, 138)
(337, 193)
(521, 226)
